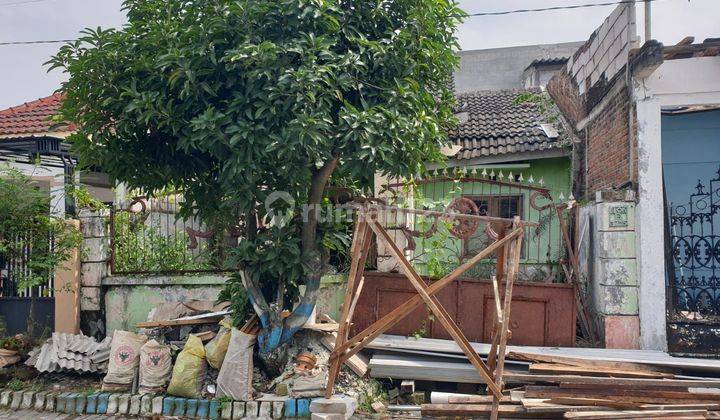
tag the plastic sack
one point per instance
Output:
(189, 370)
(217, 347)
(155, 367)
(124, 360)
(236, 373)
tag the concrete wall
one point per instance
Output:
(129, 299)
(502, 68)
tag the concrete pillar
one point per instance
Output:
(95, 258)
(67, 291)
(615, 280)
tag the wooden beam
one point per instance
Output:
(513, 263)
(358, 253)
(601, 381)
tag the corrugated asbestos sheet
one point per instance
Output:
(68, 352)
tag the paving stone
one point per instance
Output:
(202, 409)
(134, 409)
(265, 410)
(214, 411)
(179, 409)
(303, 407)
(113, 401)
(50, 401)
(16, 400)
(251, 409)
(290, 408)
(5, 398)
(39, 404)
(146, 404)
(226, 410)
(91, 406)
(70, 403)
(157, 405)
(238, 410)
(277, 409)
(335, 405)
(27, 400)
(123, 403)
(102, 403)
(192, 406)
(80, 403)
(60, 402)
(327, 416)
(168, 406)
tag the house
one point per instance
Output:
(646, 162)
(510, 67)
(510, 156)
(32, 141)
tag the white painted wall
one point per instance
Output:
(691, 81)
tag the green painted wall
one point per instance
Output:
(129, 299)
(541, 246)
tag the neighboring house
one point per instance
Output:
(510, 67)
(647, 161)
(32, 141)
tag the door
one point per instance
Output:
(691, 179)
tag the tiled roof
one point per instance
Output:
(33, 118)
(496, 123)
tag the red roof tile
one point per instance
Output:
(33, 118)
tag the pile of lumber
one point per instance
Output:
(553, 382)
(563, 387)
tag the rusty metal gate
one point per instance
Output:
(693, 296)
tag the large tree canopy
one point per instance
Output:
(231, 100)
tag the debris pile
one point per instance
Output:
(547, 382)
(70, 353)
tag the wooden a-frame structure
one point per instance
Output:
(507, 247)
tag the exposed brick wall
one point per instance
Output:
(564, 91)
(602, 160)
(609, 146)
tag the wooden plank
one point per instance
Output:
(634, 414)
(360, 246)
(176, 322)
(530, 378)
(475, 399)
(622, 395)
(476, 410)
(513, 262)
(357, 363)
(576, 361)
(550, 368)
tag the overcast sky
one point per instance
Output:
(23, 78)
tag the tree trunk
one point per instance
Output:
(277, 331)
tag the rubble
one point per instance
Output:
(70, 353)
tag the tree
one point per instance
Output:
(230, 101)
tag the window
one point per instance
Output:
(505, 206)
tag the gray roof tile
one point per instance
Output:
(497, 123)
